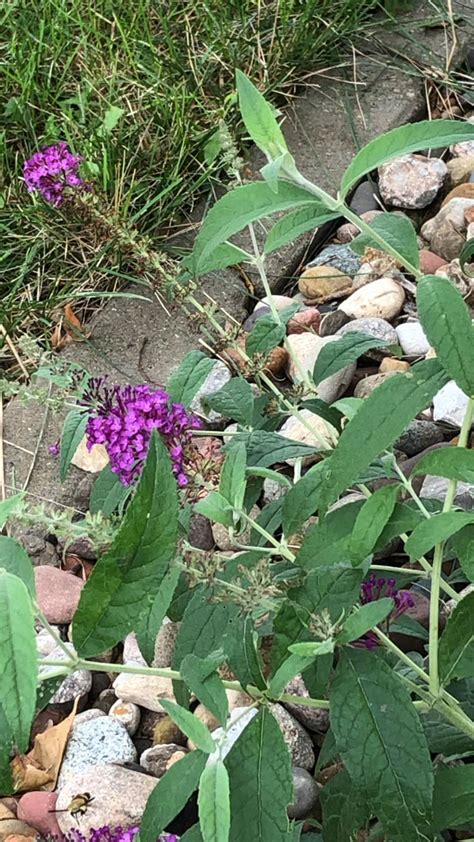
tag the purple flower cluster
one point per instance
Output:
(52, 171)
(374, 589)
(123, 418)
(105, 834)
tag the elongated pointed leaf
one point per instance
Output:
(345, 811)
(190, 725)
(203, 626)
(222, 257)
(265, 336)
(447, 324)
(6, 746)
(260, 782)
(398, 231)
(237, 209)
(200, 676)
(73, 431)
(453, 802)
(345, 350)
(242, 655)
(456, 647)
(15, 560)
(438, 528)
(107, 493)
(171, 794)
(295, 223)
(259, 118)
(327, 542)
(331, 589)
(293, 665)
(365, 618)
(151, 620)
(235, 400)
(18, 665)
(426, 134)
(379, 421)
(189, 377)
(463, 543)
(126, 579)
(302, 499)
(215, 507)
(265, 449)
(214, 803)
(233, 476)
(381, 741)
(450, 462)
(371, 521)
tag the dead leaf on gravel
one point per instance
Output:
(69, 329)
(39, 769)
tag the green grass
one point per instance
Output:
(68, 65)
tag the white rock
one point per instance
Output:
(323, 437)
(241, 718)
(412, 339)
(411, 181)
(273, 490)
(98, 740)
(436, 488)
(144, 690)
(306, 347)
(45, 643)
(466, 147)
(383, 298)
(450, 404)
(77, 683)
(281, 302)
(215, 380)
(131, 651)
(127, 714)
(93, 460)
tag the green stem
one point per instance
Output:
(389, 644)
(436, 577)
(411, 491)
(53, 633)
(284, 551)
(422, 574)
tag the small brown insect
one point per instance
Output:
(77, 806)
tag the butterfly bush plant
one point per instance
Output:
(399, 736)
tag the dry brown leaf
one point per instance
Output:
(69, 329)
(39, 769)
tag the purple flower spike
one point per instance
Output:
(105, 834)
(52, 171)
(123, 418)
(375, 589)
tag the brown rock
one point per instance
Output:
(236, 357)
(165, 732)
(323, 283)
(205, 716)
(37, 809)
(460, 169)
(314, 719)
(276, 361)
(430, 262)
(391, 364)
(93, 460)
(158, 759)
(469, 215)
(304, 321)
(14, 827)
(58, 593)
(365, 387)
(462, 191)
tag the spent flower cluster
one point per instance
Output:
(53, 171)
(123, 418)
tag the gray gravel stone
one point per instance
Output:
(76, 684)
(314, 719)
(215, 380)
(340, 256)
(98, 740)
(305, 794)
(378, 328)
(296, 737)
(411, 181)
(418, 436)
(158, 759)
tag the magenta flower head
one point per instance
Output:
(104, 834)
(54, 449)
(53, 172)
(122, 418)
(377, 588)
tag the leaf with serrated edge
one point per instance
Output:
(73, 432)
(214, 803)
(398, 231)
(333, 589)
(242, 655)
(260, 778)
(15, 560)
(9, 506)
(203, 627)
(438, 528)
(447, 324)
(265, 336)
(345, 811)
(450, 462)
(295, 223)
(107, 493)
(302, 499)
(151, 621)
(235, 400)
(113, 600)
(327, 542)
(426, 134)
(370, 522)
(265, 449)
(190, 725)
(456, 646)
(171, 794)
(379, 421)
(380, 739)
(345, 350)
(18, 664)
(453, 803)
(184, 383)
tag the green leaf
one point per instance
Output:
(242, 655)
(171, 794)
(295, 223)
(293, 665)
(46, 690)
(190, 725)
(9, 506)
(260, 778)
(200, 676)
(288, 628)
(398, 231)
(327, 542)
(268, 473)
(345, 810)
(444, 738)
(259, 118)
(186, 381)
(371, 521)
(270, 520)
(111, 119)
(452, 801)
(435, 530)
(151, 620)
(365, 618)
(18, 664)
(447, 324)
(223, 256)
(302, 500)
(404, 519)
(379, 736)
(345, 350)
(73, 432)
(6, 746)
(15, 560)
(466, 257)
(203, 627)
(265, 449)
(331, 589)
(238, 208)
(265, 336)
(382, 418)
(451, 462)
(107, 493)
(463, 543)
(126, 579)
(233, 476)
(456, 646)
(215, 507)
(426, 134)
(312, 649)
(214, 803)
(235, 400)
(271, 171)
